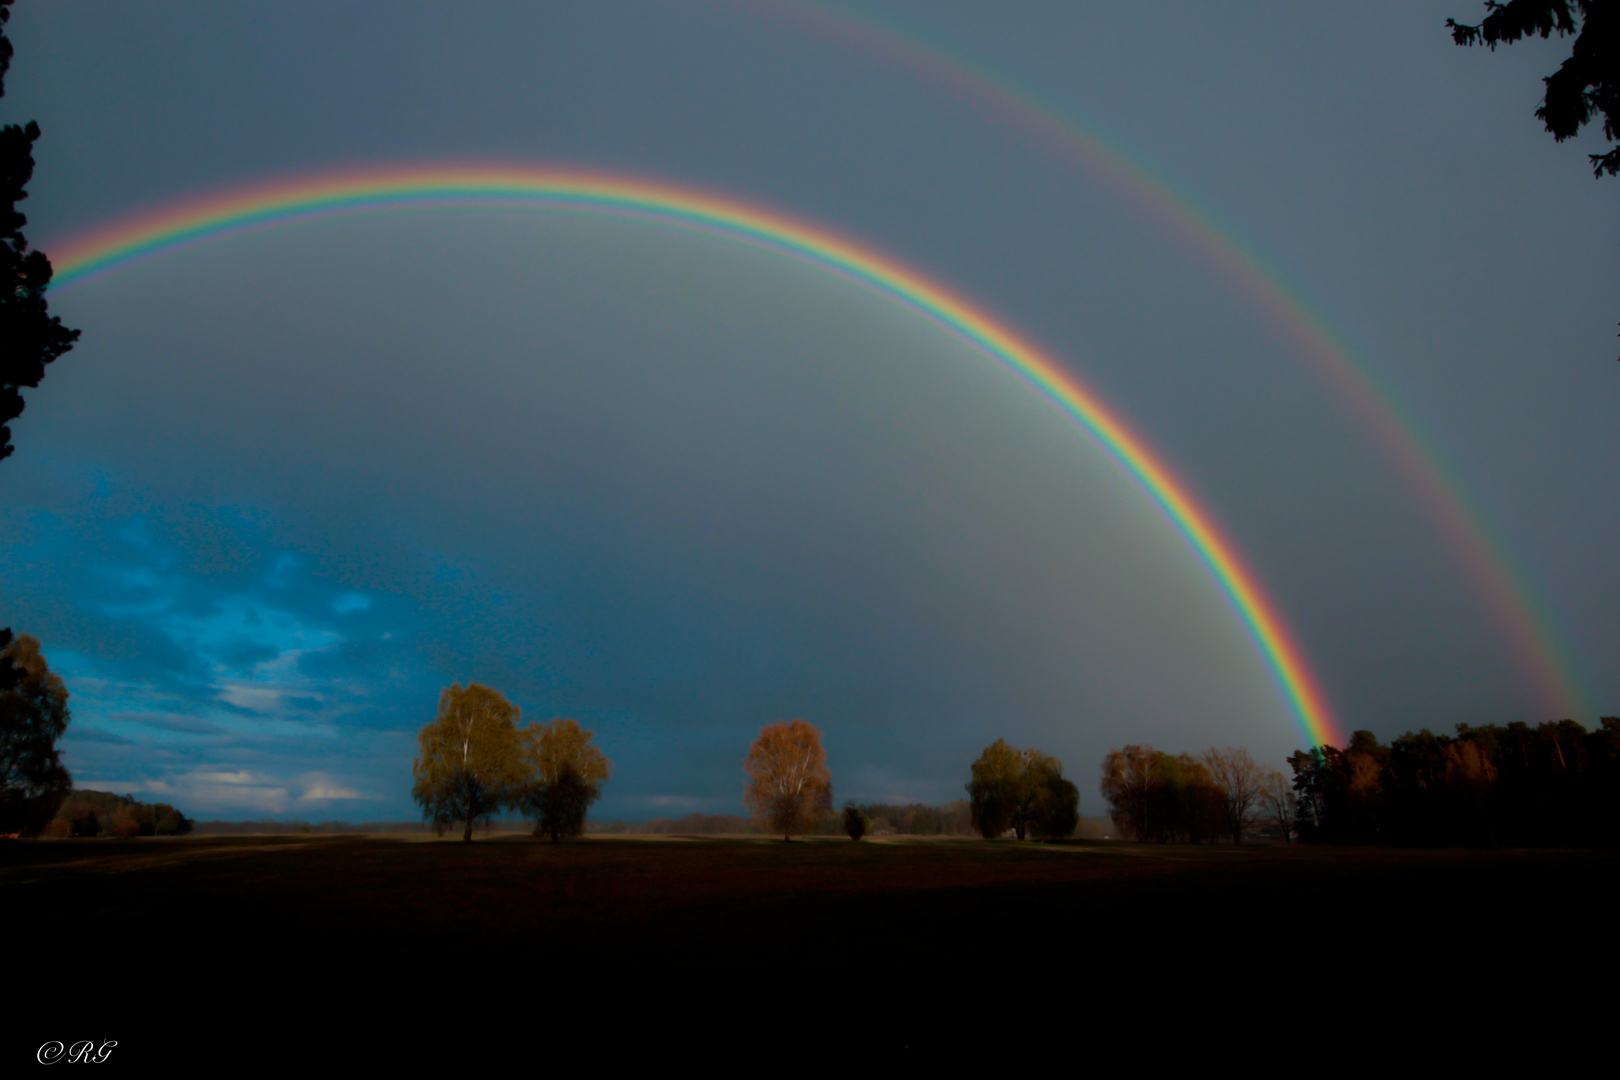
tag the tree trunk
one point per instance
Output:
(555, 837)
(466, 832)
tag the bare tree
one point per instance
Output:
(789, 787)
(1278, 803)
(1237, 784)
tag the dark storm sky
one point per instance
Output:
(290, 485)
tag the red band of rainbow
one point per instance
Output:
(200, 221)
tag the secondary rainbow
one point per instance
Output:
(285, 202)
(1392, 425)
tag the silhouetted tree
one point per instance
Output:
(1586, 85)
(33, 716)
(469, 763)
(565, 776)
(856, 823)
(789, 788)
(30, 337)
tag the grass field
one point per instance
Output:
(236, 928)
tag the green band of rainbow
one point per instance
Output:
(196, 222)
(1479, 548)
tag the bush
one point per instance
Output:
(856, 823)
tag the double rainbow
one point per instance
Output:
(202, 221)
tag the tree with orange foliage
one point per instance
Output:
(789, 787)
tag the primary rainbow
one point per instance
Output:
(283, 202)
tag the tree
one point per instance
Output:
(1129, 779)
(470, 760)
(996, 790)
(1022, 790)
(789, 788)
(1278, 802)
(30, 337)
(1054, 807)
(856, 823)
(1237, 781)
(33, 716)
(1585, 85)
(565, 776)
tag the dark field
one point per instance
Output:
(242, 934)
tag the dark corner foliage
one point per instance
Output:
(30, 337)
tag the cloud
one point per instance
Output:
(95, 735)
(321, 789)
(168, 722)
(204, 792)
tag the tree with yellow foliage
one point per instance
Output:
(789, 788)
(470, 763)
(565, 774)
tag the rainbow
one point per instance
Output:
(149, 236)
(1390, 423)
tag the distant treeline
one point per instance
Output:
(101, 813)
(1554, 784)
(915, 819)
(283, 828)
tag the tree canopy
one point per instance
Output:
(1586, 85)
(789, 787)
(565, 774)
(30, 337)
(33, 716)
(1022, 790)
(470, 760)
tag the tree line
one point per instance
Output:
(101, 813)
(476, 762)
(1180, 798)
(1553, 784)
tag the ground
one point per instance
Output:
(914, 940)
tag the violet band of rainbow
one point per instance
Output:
(1478, 546)
(206, 220)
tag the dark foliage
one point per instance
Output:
(30, 337)
(856, 823)
(1164, 798)
(101, 813)
(33, 716)
(1554, 784)
(559, 808)
(1585, 86)
(698, 825)
(916, 819)
(10, 674)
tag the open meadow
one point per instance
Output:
(664, 928)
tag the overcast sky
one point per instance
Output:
(290, 485)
